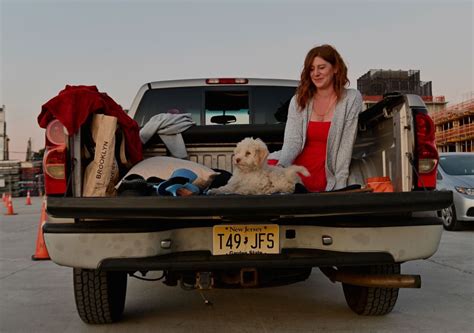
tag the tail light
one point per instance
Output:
(55, 163)
(54, 160)
(427, 155)
(55, 135)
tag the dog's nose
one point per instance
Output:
(237, 160)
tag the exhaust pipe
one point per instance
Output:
(373, 280)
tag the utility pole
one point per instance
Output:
(28, 151)
(3, 135)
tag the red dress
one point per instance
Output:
(313, 156)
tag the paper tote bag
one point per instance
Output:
(102, 172)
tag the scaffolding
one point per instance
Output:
(455, 127)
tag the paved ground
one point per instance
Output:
(37, 296)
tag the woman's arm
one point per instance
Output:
(293, 138)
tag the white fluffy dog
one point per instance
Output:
(252, 174)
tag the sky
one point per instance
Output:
(120, 45)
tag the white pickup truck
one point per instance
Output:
(357, 238)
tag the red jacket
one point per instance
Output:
(74, 104)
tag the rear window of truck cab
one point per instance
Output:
(218, 106)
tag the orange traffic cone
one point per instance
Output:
(4, 197)
(10, 207)
(41, 252)
(28, 198)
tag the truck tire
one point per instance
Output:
(100, 296)
(450, 221)
(370, 301)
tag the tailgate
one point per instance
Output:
(298, 205)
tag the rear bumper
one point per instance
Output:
(136, 245)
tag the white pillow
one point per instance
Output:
(163, 166)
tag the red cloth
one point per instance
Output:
(313, 156)
(74, 104)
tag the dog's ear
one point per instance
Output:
(261, 153)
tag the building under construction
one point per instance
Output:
(455, 127)
(377, 82)
(454, 124)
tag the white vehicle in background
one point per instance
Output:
(456, 173)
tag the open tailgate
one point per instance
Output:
(256, 205)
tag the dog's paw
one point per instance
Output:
(292, 169)
(212, 191)
(304, 172)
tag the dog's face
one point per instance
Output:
(250, 154)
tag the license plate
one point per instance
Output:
(246, 239)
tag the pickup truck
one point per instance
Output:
(358, 238)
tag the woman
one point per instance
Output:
(322, 122)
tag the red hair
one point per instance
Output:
(306, 88)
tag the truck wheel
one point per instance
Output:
(370, 301)
(450, 222)
(100, 296)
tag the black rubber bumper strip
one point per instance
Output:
(158, 225)
(251, 205)
(204, 260)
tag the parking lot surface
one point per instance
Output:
(37, 296)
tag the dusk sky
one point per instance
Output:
(120, 45)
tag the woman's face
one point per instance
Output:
(322, 73)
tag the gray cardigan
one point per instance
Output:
(341, 137)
